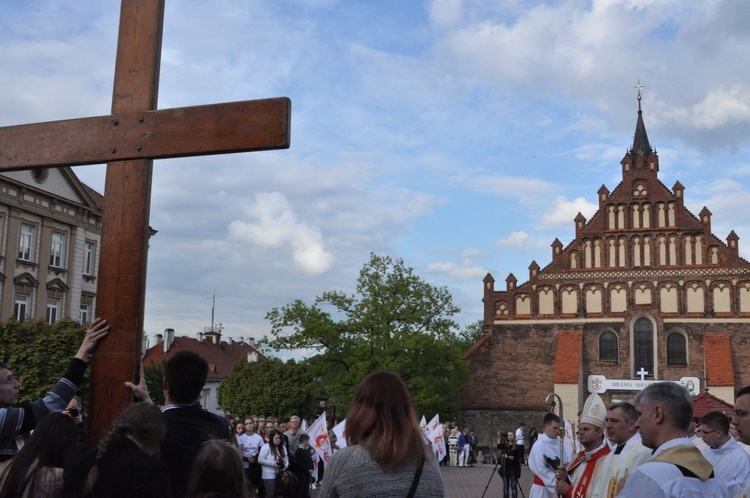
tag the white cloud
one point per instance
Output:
(516, 240)
(274, 224)
(564, 211)
(524, 190)
(457, 271)
(720, 107)
(445, 12)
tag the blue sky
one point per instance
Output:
(460, 135)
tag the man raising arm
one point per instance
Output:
(15, 421)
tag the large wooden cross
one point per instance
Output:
(128, 140)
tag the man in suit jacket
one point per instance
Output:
(188, 425)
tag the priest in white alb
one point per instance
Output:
(579, 478)
(730, 462)
(676, 468)
(544, 458)
(628, 452)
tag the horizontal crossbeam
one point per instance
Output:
(245, 126)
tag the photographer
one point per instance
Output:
(510, 465)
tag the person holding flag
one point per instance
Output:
(387, 454)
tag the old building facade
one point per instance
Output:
(220, 355)
(644, 292)
(50, 235)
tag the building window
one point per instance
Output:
(643, 346)
(21, 307)
(676, 349)
(608, 347)
(26, 243)
(88, 258)
(83, 313)
(53, 309)
(56, 252)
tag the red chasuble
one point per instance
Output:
(581, 487)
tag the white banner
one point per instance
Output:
(438, 445)
(434, 423)
(318, 433)
(340, 431)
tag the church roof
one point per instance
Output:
(220, 357)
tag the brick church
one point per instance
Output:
(645, 291)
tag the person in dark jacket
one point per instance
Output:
(511, 457)
(304, 465)
(188, 425)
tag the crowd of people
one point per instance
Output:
(181, 450)
(652, 448)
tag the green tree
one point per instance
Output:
(38, 354)
(154, 373)
(396, 321)
(269, 388)
(470, 334)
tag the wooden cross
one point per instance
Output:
(128, 141)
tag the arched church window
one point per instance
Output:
(608, 347)
(643, 346)
(676, 349)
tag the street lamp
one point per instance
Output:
(322, 401)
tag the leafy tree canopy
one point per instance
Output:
(154, 373)
(268, 388)
(38, 354)
(395, 321)
(470, 334)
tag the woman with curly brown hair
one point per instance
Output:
(387, 454)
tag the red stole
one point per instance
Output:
(579, 491)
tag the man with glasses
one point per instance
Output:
(741, 421)
(730, 461)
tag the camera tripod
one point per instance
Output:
(501, 463)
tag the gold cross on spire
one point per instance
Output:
(638, 87)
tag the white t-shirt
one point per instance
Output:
(520, 437)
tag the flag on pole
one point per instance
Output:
(433, 423)
(318, 433)
(340, 431)
(571, 442)
(436, 439)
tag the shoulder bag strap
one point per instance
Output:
(415, 482)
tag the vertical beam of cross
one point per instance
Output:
(121, 287)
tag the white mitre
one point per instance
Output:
(594, 411)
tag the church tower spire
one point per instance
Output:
(641, 156)
(640, 140)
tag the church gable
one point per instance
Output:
(642, 248)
